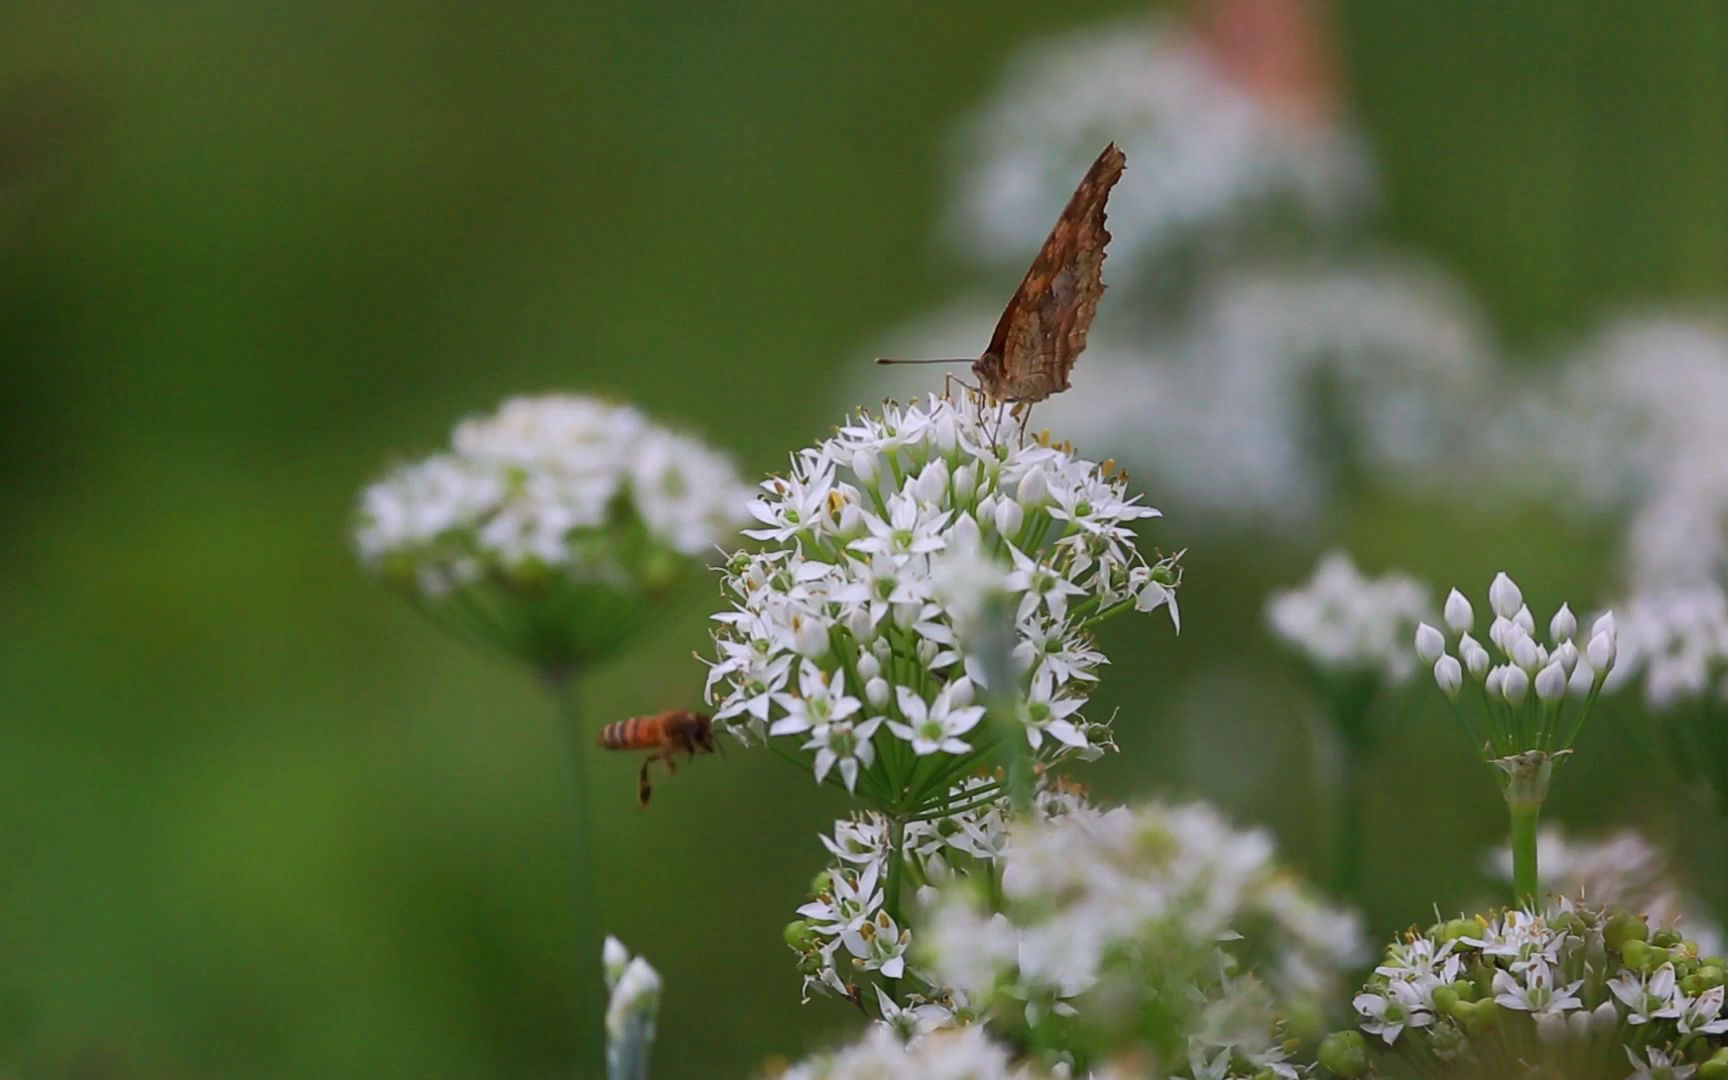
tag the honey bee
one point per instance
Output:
(663, 735)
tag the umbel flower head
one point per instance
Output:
(1154, 932)
(1352, 632)
(549, 526)
(842, 639)
(1574, 990)
(1523, 703)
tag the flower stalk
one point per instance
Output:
(565, 691)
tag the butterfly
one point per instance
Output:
(1043, 329)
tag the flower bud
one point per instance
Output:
(864, 466)
(960, 693)
(859, 623)
(810, 638)
(1449, 675)
(1497, 631)
(876, 692)
(1602, 650)
(1604, 624)
(1496, 681)
(931, 487)
(1525, 620)
(965, 483)
(1551, 683)
(1583, 678)
(1430, 643)
(1504, 596)
(1345, 1053)
(868, 667)
(1567, 655)
(1563, 625)
(1034, 488)
(1523, 652)
(964, 535)
(1009, 517)
(1459, 615)
(1515, 685)
(1474, 655)
(614, 958)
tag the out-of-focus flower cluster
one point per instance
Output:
(841, 639)
(1158, 933)
(1216, 163)
(954, 1054)
(1675, 640)
(1576, 990)
(1351, 627)
(547, 524)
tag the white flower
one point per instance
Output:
(935, 726)
(1646, 998)
(1387, 1014)
(846, 744)
(1534, 992)
(878, 945)
(1551, 682)
(1657, 1065)
(1676, 640)
(1563, 625)
(851, 899)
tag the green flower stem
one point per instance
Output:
(1525, 883)
(1347, 810)
(590, 1001)
(891, 892)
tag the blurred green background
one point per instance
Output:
(259, 819)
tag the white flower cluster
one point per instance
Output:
(840, 638)
(1575, 987)
(848, 922)
(1622, 869)
(1676, 640)
(1132, 921)
(1520, 701)
(1345, 623)
(958, 1054)
(1209, 157)
(550, 486)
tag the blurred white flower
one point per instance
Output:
(1632, 424)
(1208, 160)
(955, 1054)
(1344, 622)
(549, 525)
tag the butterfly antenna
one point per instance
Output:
(958, 360)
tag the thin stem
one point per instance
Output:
(1347, 809)
(1525, 882)
(891, 897)
(590, 1002)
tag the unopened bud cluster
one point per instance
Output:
(1518, 694)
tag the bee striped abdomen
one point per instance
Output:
(636, 733)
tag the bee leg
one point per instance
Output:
(644, 786)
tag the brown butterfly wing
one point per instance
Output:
(1043, 330)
